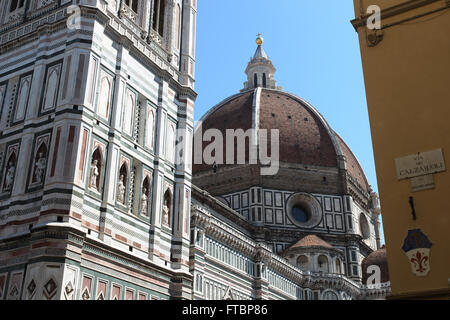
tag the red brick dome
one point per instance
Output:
(377, 258)
(305, 137)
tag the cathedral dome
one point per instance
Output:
(305, 138)
(306, 141)
(377, 258)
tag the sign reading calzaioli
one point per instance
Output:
(420, 164)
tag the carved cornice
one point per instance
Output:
(395, 11)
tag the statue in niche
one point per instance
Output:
(41, 163)
(121, 190)
(94, 174)
(165, 214)
(9, 179)
(144, 205)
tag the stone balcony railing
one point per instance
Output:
(154, 36)
(126, 11)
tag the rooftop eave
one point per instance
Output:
(394, 11)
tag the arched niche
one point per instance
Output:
(167, 208)
(303, 262)
(323, 264)
(96, 169)
(122, 184)
(40, 164)
(145, 196)
(10, 172)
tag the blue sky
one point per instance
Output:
(313, 46)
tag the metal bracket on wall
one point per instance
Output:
(376, 36)
(413, 210)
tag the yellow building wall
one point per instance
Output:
(407, 78)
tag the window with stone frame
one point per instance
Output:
(105, 93)
(133, 5)
(15, 5)
(150, 124)
(51, 87)
(22, 98)
(322, 262)
(329, 295)
(303, 262)
(338, 266)
(355, 271)
(171, 142)
(132, 9)
(177, 26)
(14, 10)
(158, 19)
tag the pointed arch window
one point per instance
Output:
(128, 114)
(255, 80)
(150, 128)
(177, 26)
(338, 266)
(51, 87)
(158, 16)
(22, 99)
(264, 81)
(170, 150)
(105, 93)
(133, 4)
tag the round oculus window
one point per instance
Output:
(300, 214)
(304, 210)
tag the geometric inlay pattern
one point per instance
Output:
(68, 291)
(86, 295)
(50, 289)
(14, 292)
(31, 288)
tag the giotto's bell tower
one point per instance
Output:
(97, 103)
